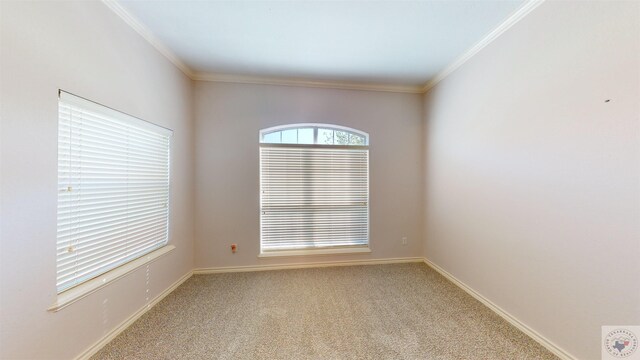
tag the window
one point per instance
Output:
(314, 189)
(113, 189)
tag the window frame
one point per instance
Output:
(315, 127)
(325, 250)
(83, 287)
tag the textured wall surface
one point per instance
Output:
(513, 174)
(533, 180)
(228, 120)
(85, 49)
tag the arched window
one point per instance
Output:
(314, 190)
(314, 134)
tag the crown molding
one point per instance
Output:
(516, 16)
(242, 79)
(141, 29)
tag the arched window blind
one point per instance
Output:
(113, 189)
(314, 188)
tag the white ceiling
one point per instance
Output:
(382, 42)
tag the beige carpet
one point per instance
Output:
(400, 311)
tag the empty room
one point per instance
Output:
(188, 179)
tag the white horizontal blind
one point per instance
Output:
(313, 197)
(113, 189)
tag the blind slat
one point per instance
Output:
(113, 181)
(312, 197)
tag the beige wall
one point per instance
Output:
(228, 119)
(530, 182)
(84, 48)
(533, 181)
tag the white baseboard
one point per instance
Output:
(93, 349)
(555, 349)
(558, 351)
(231, 269)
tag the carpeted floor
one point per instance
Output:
(399, 311)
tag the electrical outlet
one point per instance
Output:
(404, 240)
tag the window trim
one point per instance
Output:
(316, 146)
(329, 250)
(344, 250)
(88, 287)
(315, 127)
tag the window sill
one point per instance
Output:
(332, 251)
(74, 294)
